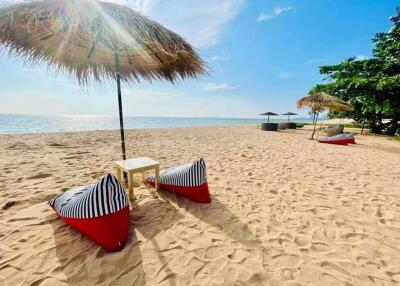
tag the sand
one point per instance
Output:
(335, 121)
(285, 210)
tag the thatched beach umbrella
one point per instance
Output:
(268, 114)
(320, 101)
(288, 115)
(95, 40)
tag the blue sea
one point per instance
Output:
(20, 124)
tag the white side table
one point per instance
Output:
(137, 165)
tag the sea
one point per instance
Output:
(24, 124)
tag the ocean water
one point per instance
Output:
(21, 124)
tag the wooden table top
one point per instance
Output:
(137, 163)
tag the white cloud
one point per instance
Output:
(284, 75)
(315, 61)
(361, 57)
(220, 58)
(35, 70)
(281, 10)
(151, 93)
(143, 6)
(278, 11)
(203, 23)
(264, 17)
(216, 87)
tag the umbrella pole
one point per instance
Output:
(121, 119)
(314, 124)
(268, 118)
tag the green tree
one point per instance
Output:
(387, 53)
(372, 85)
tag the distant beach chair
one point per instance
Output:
(330, 131)
(282, 126)
(334, 130)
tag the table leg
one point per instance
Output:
(130, 186)
(157, 178)
(144, 178)
(119, 175)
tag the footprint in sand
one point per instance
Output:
(320, 247)
(9, 204)
(16, 146)
(238, 255)
(59, 145)
(281, 261)
(335, 269)
(303, 241)
(212, 253)
(354, 237)
(39, 176)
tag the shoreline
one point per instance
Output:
(127, 129)
(21, 124)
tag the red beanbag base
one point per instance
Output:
(198, 194)
(99, 211)
(109, 231)
(340, 139)
(189, 180)
(336, 142)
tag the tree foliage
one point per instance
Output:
(371, 85)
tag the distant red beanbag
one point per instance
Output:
(340, 139)
(188, 180)
(99, 211)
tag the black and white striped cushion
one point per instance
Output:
(189, 175)
(105, 197)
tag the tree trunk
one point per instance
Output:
(377, 126)
(394, 125)
(362, 127)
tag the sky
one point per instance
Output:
(262, 55)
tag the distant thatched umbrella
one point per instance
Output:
(321, 101)
(288, 115)
(268, 114)
(96, 40)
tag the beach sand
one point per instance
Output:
(285, 210)
(336, 121)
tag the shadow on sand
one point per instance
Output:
(217, 215)
(82, 262)
(166, 209)
(151, 218)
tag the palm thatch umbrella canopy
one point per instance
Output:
(95, 40)
(268, 114)
(320, 101)
(288, 115)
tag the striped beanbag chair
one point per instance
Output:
(188, 180)
(99, 211)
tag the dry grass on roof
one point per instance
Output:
(321, 101)
(83, 36)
